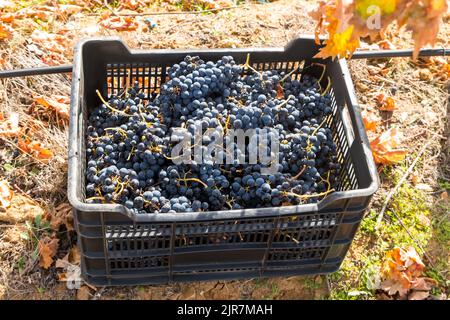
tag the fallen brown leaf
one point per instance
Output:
(6, 194)
(418, 295)
(47, 248)
(385, 147)
(21, 209)
(119, 23)
(61, 216)
(74, 255)
(401, 270)
(35, 149)
(423, 284)
(6, 32)
(58, 104)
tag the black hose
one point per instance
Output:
(399, 53)
(357, 55)
(36, 71)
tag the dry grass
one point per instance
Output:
(422, 111)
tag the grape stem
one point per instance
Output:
(248, 66)
(308, 196)
(194, 180)
(109, 107)
(298, 175)
(285, 101)
(327, 88)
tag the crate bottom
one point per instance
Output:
(127, 278)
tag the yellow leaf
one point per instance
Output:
(47, 248)
(339, 45)
(363, 7)
(438, 5)
(6, 194)
(336, 18)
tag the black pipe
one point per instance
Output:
(357, 55)
(399, 53)
(36, 71)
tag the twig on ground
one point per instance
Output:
(140, 14)
(400, 182)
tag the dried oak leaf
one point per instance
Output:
(418, 295)
(55, 43)
(58, 104)
(71, 258)
(385, 147)
(423, 284)
(75, 255)
(6, 194)
(21, 209)
(47, 248)
(119, 23)
(35, 149)
(6, 32)
(61, 216)
(7, 17)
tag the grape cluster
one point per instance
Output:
(129, 141)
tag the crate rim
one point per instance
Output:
(74, 157)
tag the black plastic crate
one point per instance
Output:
(121, 248)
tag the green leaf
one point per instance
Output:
(37, 221)
(8, 167)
